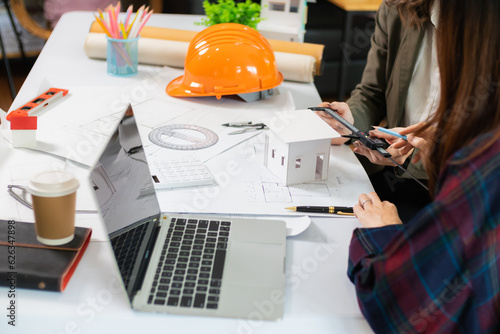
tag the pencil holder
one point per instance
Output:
(122, 56)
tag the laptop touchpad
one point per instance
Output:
(255, 264)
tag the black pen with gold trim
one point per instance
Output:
(339, 210)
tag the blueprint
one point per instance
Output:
(77, 126)
(244, 185)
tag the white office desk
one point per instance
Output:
(319, 297)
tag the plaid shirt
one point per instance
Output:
(439, 273)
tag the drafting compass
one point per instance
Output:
(183, 137)
(246, 127)
(374, 144)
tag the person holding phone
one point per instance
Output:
(440, 272)
(400, 86)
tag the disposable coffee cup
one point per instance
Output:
(53, 195)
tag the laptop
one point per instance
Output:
(188, 264)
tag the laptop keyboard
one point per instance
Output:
(126, 246)
(189, 272)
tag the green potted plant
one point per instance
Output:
(226, 11)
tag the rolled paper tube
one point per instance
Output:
(310, 49)
(294, 67)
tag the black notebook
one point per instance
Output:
(27, 263)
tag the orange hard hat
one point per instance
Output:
(225, 59)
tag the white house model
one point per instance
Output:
(297, 149)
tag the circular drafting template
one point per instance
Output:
(183, 137)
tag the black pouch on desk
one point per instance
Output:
(27, 263)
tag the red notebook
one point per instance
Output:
(32, 265)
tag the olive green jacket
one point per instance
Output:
(384, 86)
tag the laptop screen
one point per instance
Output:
(121, 179)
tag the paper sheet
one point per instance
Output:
(85, 201)
(244, 185)
(209, 114)
(77, 126)
(296, 225)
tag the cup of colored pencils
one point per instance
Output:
(123, 38)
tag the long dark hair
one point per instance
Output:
(468, 42)
(412, 12)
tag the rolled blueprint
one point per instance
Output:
(166, 46)
(294, 67)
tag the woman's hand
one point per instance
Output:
(372, 212)
(422, 142)
(345, 112)
(399, 149)
(392, 140)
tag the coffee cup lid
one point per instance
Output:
(53, 184)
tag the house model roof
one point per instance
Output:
(300, 125)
